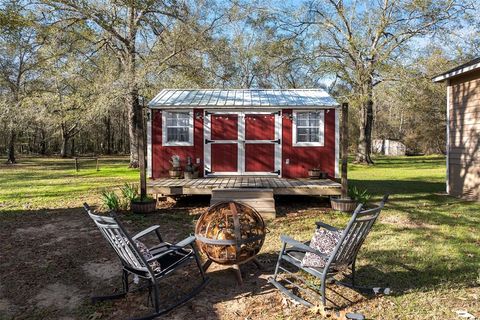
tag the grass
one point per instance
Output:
(36, 183)
(425, 246)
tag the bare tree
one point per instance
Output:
(126, 28)
(18, 66)
(357, 40)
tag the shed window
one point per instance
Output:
(177, 128)
(308, 128)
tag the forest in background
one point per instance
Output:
(74, 75)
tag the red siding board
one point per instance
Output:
(259, 157)
(162, 155)
(303, 158)
(224, 157)
(224, 127)
(259, 127)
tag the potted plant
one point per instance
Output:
(111, 200)
(137, 203)
(176, 171)
(188, 173)
(144, 204)
(195, 171)
(348, 204)
(314, 173)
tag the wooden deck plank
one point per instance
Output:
(280, 186)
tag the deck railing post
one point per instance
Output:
(141, 147)
(344, 143)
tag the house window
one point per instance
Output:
(177, 128)
(308, 128)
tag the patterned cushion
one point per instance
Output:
(324, 241)
(155, 265)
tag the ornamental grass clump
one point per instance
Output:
(360, 196)
(129, 194)
(111, 200)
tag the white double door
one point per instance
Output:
(242, 143)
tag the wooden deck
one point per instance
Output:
(280, 186)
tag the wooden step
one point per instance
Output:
(260, 199)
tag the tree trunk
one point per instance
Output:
(11, 147)
(108, 134)
(134, 109)
(63, 150)
(43, 142)
(133, 117)
(366, 125)
(72, 148)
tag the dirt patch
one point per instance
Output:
(60, 296)
(105, 270)
(6, 308)
(48, 229)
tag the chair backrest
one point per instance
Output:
(354, 235)
(120, 241)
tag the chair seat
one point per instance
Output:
(173, 258)
(298, 256)
(296, 259)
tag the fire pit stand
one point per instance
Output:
(230, 233)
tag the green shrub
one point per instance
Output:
(129, 193)
(111, 200)
(144, 199)
(360, 196)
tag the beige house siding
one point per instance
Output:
(464, 132)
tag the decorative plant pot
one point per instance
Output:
(145, 206)
(314, 173)
(188, 175)
(323, 175)
(195, 175)
(175, 173)
(345, 205)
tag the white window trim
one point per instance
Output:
(188, 143)
(320, 143)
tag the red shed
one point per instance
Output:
(274, 133)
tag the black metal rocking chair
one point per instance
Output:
(170, 257)
(341, 259)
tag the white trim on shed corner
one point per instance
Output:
(454, 73)
(149, 143)
(337, 143)
(448, 139)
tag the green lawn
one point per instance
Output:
(36, 183)
(425, 246)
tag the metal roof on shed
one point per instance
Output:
(178, 98)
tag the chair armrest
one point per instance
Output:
(185, 242)
(301, 246)
(173, 248)
(325, 226)
(145, 232)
